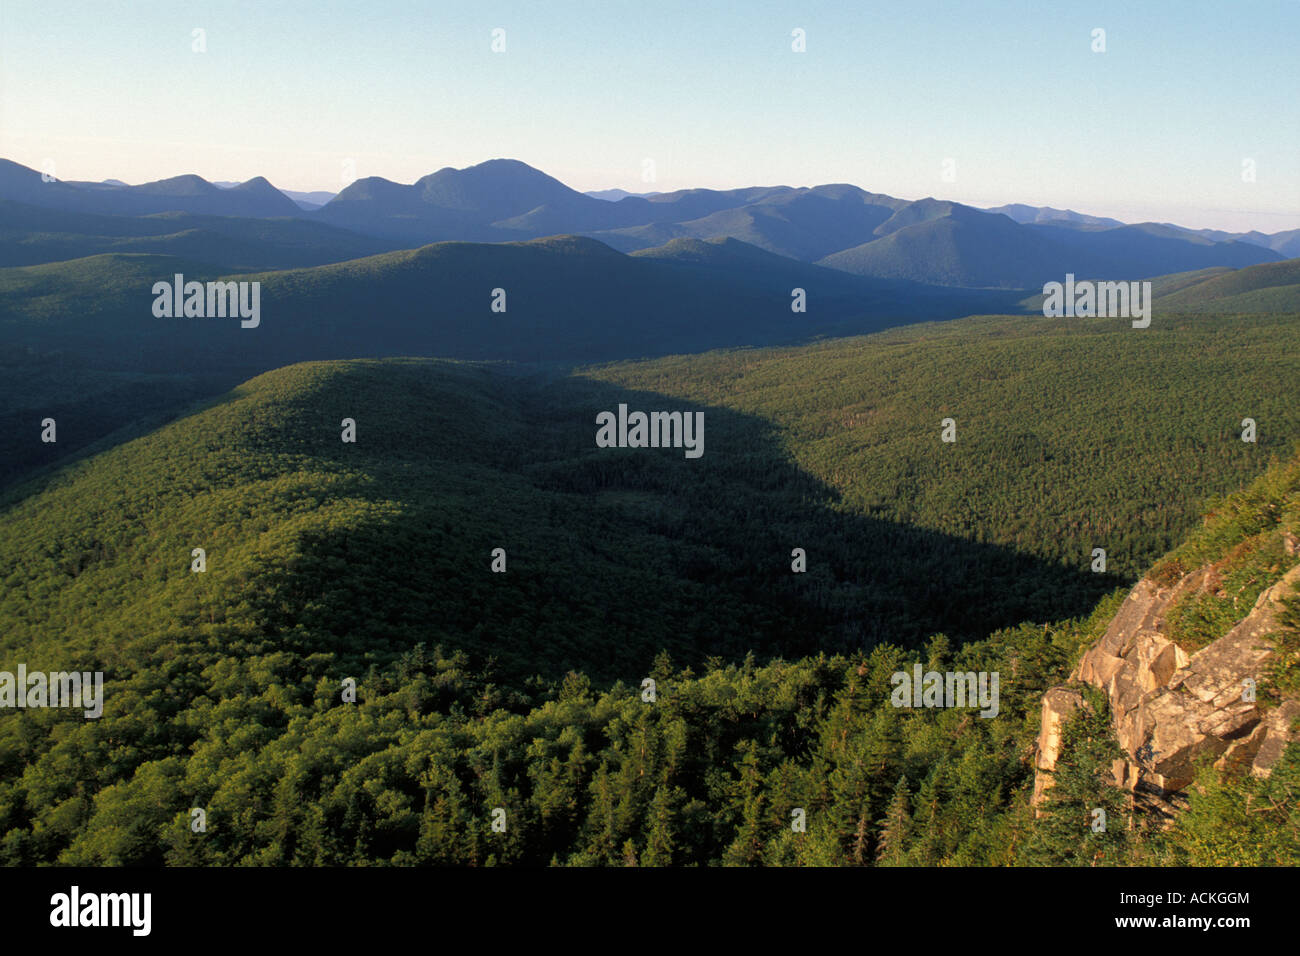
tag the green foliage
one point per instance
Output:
(1084, 815)
(1283, 678)
(1071, 435)
(895, 826)
(1239, 820)
(1269, 287)
(1246, 544)
(520, 691)
(707, 774)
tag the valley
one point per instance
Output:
(377, 518)
(372, 561)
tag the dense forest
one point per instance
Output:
(523, 689)
(1070, 435)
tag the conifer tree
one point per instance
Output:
(895, 827)
(1069, 832)
(747, 848)
(662, 838)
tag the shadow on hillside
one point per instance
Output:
(616, 554)
(92, 419)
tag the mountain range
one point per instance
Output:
(344, 470)
(838, 226)
(703, 269)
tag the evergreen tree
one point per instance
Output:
(661, 838)
(1069, 833)
(895, 827)
(747, 848)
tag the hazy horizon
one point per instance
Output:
(1009, 101)
(639, 188)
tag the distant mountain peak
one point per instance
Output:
(506, 163)
(489, 167)
(257, 182)
(186, 184)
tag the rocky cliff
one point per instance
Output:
(1171, 705)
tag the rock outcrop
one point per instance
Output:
(1058, 704)
(1169, 707)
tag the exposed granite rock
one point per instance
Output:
(1058, 703)
(1170, 708)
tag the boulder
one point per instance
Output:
(1170, 708)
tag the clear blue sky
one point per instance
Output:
(1156, 127)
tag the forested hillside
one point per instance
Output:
(372, 560)
(1228, 599)
(30, 235)
(1071, 434)
(1271, 287)
(90, 321)
(562, 299)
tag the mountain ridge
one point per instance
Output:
(837, 225)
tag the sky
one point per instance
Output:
(1190, 115)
